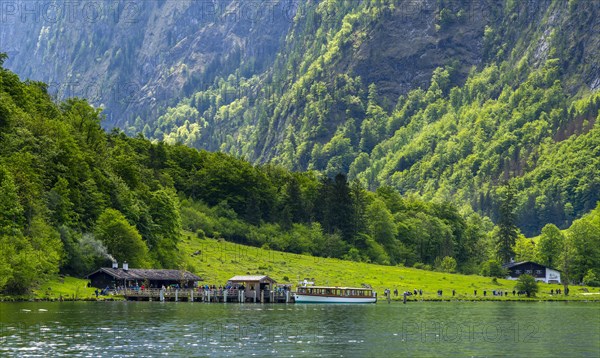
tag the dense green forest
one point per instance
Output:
(73, 197)
(524, 113)
(447, 100)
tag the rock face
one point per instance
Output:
(133, 57)
(406, 46)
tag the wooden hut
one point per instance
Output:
(256, 288)
(114, 277)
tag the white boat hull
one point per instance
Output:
(300, 298)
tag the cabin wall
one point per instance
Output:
(552, 276)
(535, 270)
(102, 280)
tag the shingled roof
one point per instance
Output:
(148, 274)
(509, 265)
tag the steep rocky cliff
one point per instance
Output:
(134, 58)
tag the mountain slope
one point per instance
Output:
(447, 99)
(504, 87)
(135, 58)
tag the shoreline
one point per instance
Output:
(394, 300)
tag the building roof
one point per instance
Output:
(251, 278)
(148, 274)
(514, 264)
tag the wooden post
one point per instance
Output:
(287, 296)
(216, 296)
(176, 294)
(192, 295)
(225, 295)
(262, 296)
(162, 295)
(254, 296)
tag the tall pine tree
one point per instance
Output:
(507, 230)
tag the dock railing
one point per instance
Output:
(201, 294)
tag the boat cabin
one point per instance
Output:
(335, 291)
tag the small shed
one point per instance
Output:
(125, 277)
(251, 283)
(538, 271)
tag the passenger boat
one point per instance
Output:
(334, 294)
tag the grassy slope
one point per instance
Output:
(220, 260)
(68, 288)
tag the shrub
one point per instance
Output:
(527, 284)
(448, 264)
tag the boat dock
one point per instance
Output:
(204, 295)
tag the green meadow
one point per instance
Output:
(67, 288)
(216, 261)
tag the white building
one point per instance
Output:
(539, 272)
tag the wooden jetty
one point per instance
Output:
(206, 295)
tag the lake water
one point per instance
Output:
(423, 329)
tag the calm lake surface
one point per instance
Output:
(457, 329)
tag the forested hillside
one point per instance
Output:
(73, 197)
(510, 95)
(432, 133)
(448, 100)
